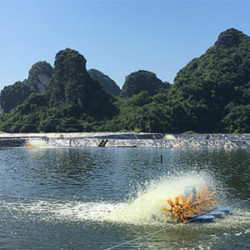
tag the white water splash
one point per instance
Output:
(136, 211)
(147, 205)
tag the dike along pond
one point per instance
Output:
(104, 198)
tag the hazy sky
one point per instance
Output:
(116, 37)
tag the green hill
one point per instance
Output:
(142, 80)
(212, 87)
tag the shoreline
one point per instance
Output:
(128, 139)
(60, 135)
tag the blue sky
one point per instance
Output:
(116, 37)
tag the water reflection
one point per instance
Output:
(114, 172)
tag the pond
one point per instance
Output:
(105, 198)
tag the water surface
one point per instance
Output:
(98, 198)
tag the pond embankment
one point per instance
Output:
(117, 139)
(12, 142)
(158, 141)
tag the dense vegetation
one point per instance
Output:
(210, 94)
(13, 95)
(211, 88)
(72, 101)
(142, 81)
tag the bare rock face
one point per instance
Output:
(43, 82)
(39, 76)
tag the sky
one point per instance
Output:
(117, 37)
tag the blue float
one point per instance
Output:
(203, 218)
(217, 212)
(225, 210)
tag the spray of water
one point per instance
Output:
(145, 208)
(149, 203)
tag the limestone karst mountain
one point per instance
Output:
(211, 94)
(216, 86)
(38, 79)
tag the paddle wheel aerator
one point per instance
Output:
(194, 206)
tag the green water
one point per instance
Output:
(98, 198)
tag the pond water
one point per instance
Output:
(101, 198)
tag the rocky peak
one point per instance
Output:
(229, 38)
(71, 84)
(69, 76)
(71, 61)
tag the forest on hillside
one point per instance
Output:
(211, 94)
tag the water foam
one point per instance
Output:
(145, 208)
(142, 209)
(149, 202)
